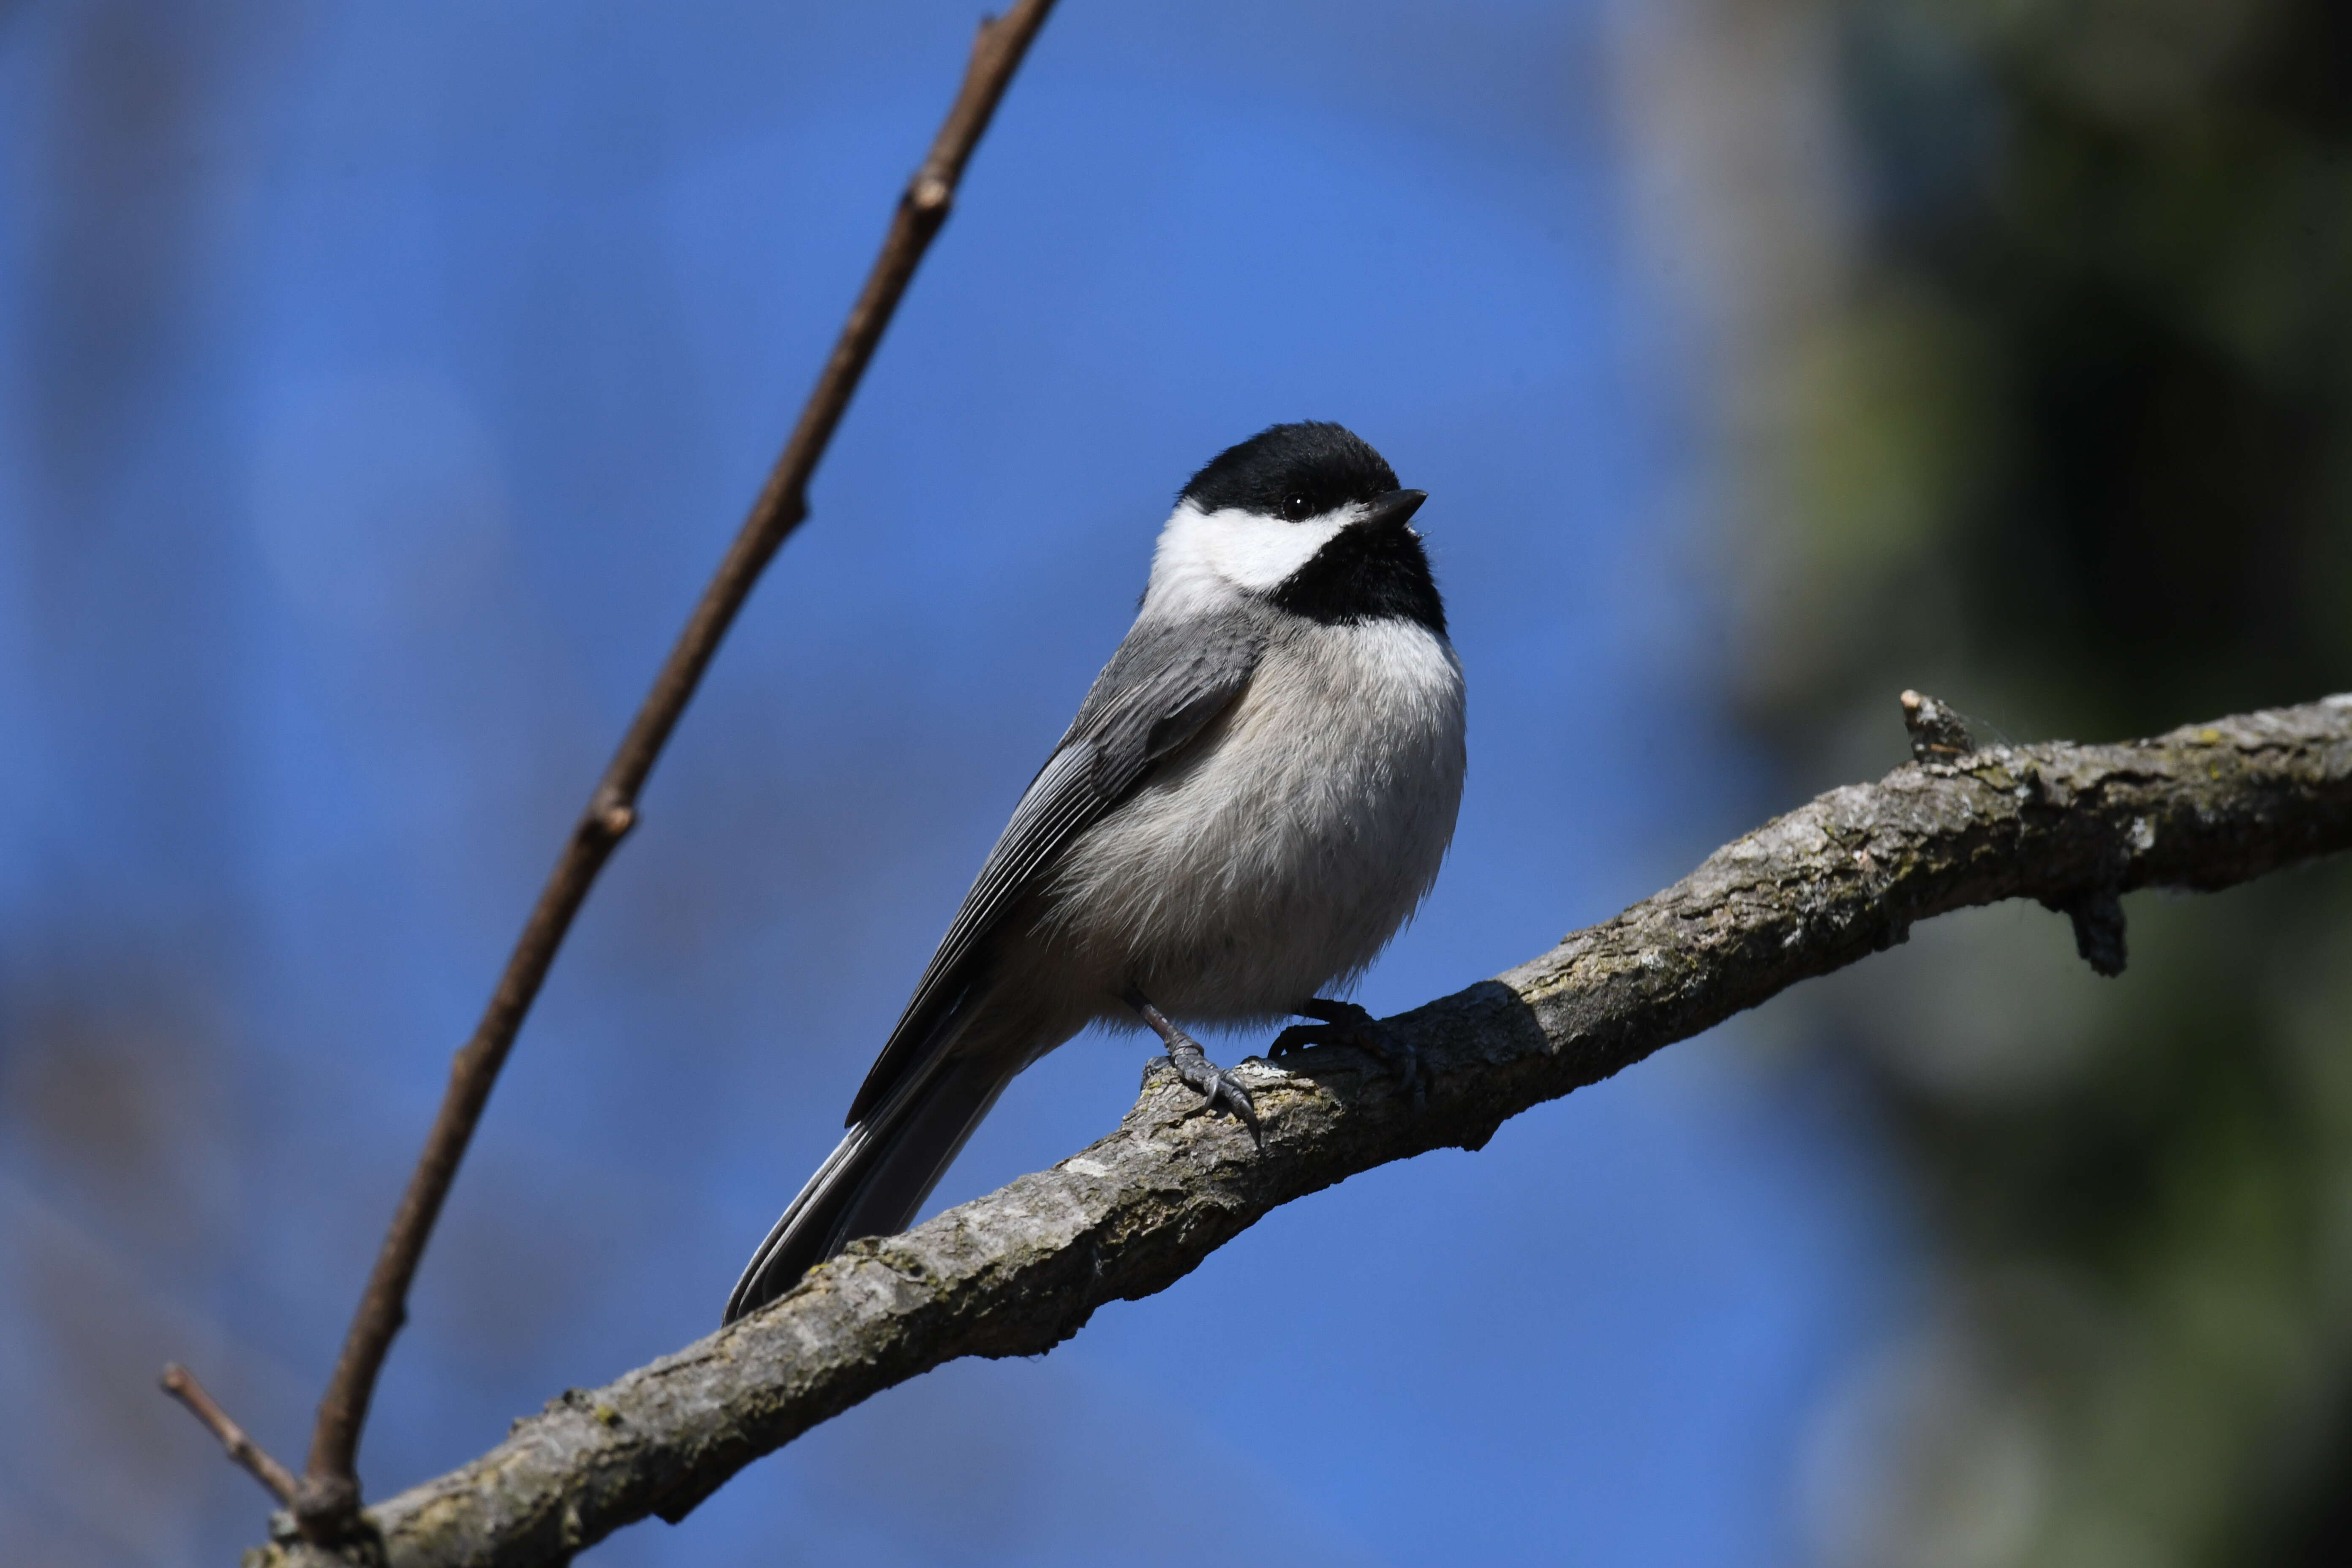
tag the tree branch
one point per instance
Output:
(327, 1501)
(1021, 1271)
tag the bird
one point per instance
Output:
(1255, 795)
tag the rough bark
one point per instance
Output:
(1021, 1271)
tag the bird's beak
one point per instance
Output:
(1394, 510)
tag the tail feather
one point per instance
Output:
(876, 1178)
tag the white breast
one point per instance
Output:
(1276, 856)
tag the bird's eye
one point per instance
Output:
(1296, 509)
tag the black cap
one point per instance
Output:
(1291, 470)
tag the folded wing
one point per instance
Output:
(1162, 687)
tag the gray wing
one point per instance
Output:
(1163, 685)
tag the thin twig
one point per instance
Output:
(328, 1502)
(182, 1385)
(1020, 1270)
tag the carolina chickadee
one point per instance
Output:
(1255, 795)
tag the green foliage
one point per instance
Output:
(2076, 454)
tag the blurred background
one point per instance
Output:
(377, 386)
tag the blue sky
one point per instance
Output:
(377, 386)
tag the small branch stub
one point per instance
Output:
(1937, 734)
(182, 1385)
(2099, 931)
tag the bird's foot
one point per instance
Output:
(1193, 1065)
(1346, 1024)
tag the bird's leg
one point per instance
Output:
(1344, 1024)
(1193, 1064)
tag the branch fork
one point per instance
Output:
(326, 1501)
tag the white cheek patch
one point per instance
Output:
(1204, 558)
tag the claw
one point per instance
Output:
(1213, 1083)
(1193, 1065)
(1297, 1038)
(1346, 1024)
